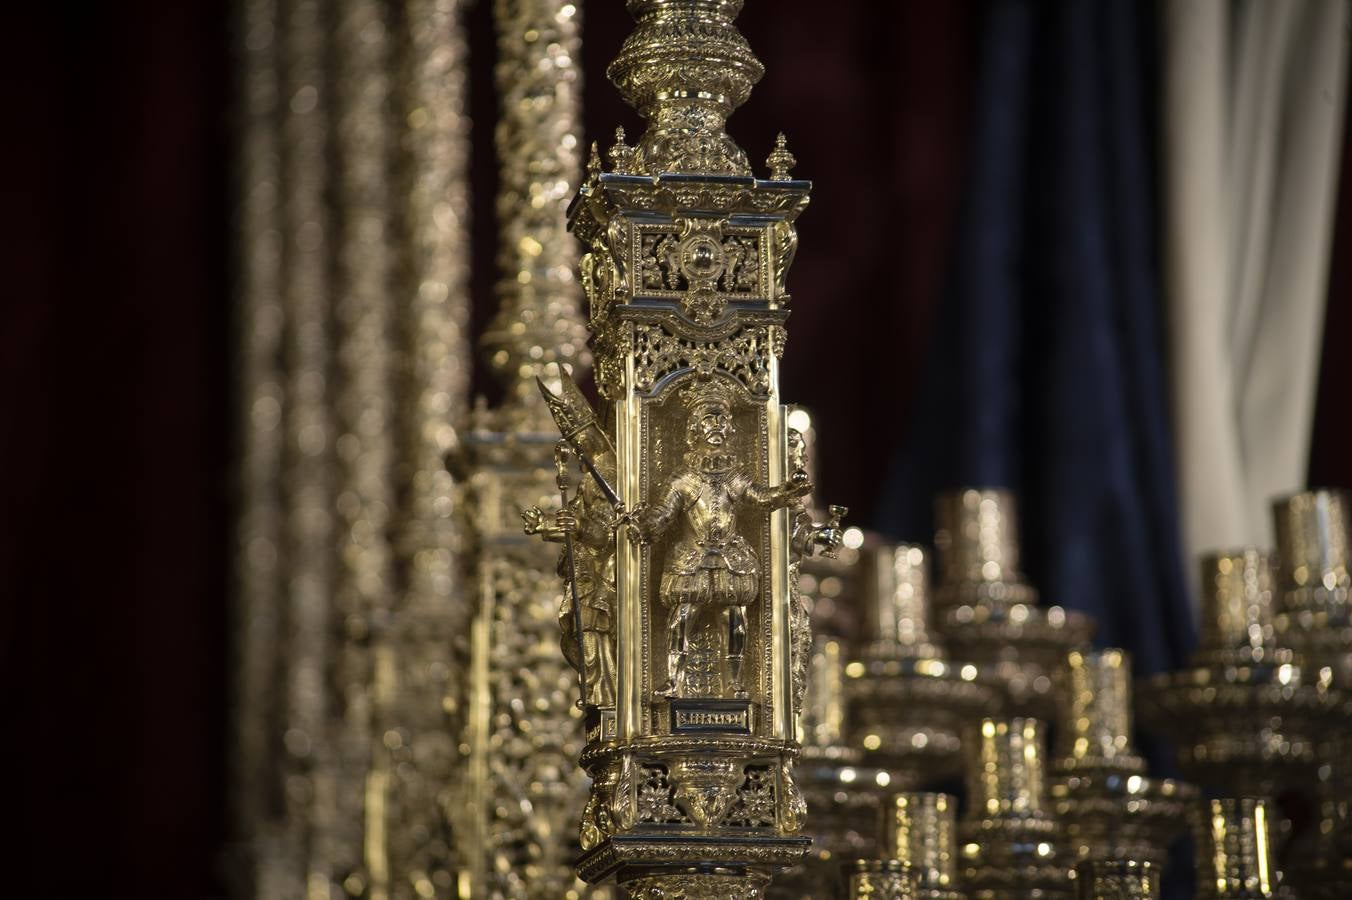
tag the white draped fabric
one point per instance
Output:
(1253, 108)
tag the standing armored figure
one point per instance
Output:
(711, 567)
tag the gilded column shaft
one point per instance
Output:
(1006, 769)
(919, 830)
(978, 542)
(423, 715)
(822, 722)
(538, 137)
(523, 730)
(1237, 607)
(259, 537)
(310, 779)
(365, 495)
(1236, 859)
(436, 165)
(1096, 712)
(897, 606)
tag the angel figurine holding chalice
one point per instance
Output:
(710, 568)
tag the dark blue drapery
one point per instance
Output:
(1047, 366)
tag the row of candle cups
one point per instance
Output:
(894, 713)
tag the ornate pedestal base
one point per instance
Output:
(878, 879)
(695, 885)
(910, 713)
(1118, 879)
(1100, 794)
(1008, 840)
(1255, 729)
(987, 612)
(1020, 647)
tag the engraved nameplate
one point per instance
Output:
(698, 716)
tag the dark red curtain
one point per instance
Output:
(114, 459)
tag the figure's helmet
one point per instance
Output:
(703, 396)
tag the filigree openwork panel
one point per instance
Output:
(656, 804)
(533, 731)
(745, 354)
(699, 256)
(754, 806)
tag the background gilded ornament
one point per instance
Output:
(909, 702)
(1109, 807)
(985, 608)
(1245, 713)
(1008, 836)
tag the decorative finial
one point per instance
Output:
(621, 154)
(594, 163)
(685, 68)
(780, 160)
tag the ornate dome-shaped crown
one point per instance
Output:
(705, 392)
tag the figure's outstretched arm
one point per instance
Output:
(551, 525)
(802, 531)
(781, 495)
(655, 518)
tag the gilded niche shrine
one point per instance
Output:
(682, 516)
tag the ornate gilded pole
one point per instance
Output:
(420, 669)
(363, 386)
(306, 866)
(354, 382)
(538, 324)
(688, 512)
(259, 561)
(522, 735)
